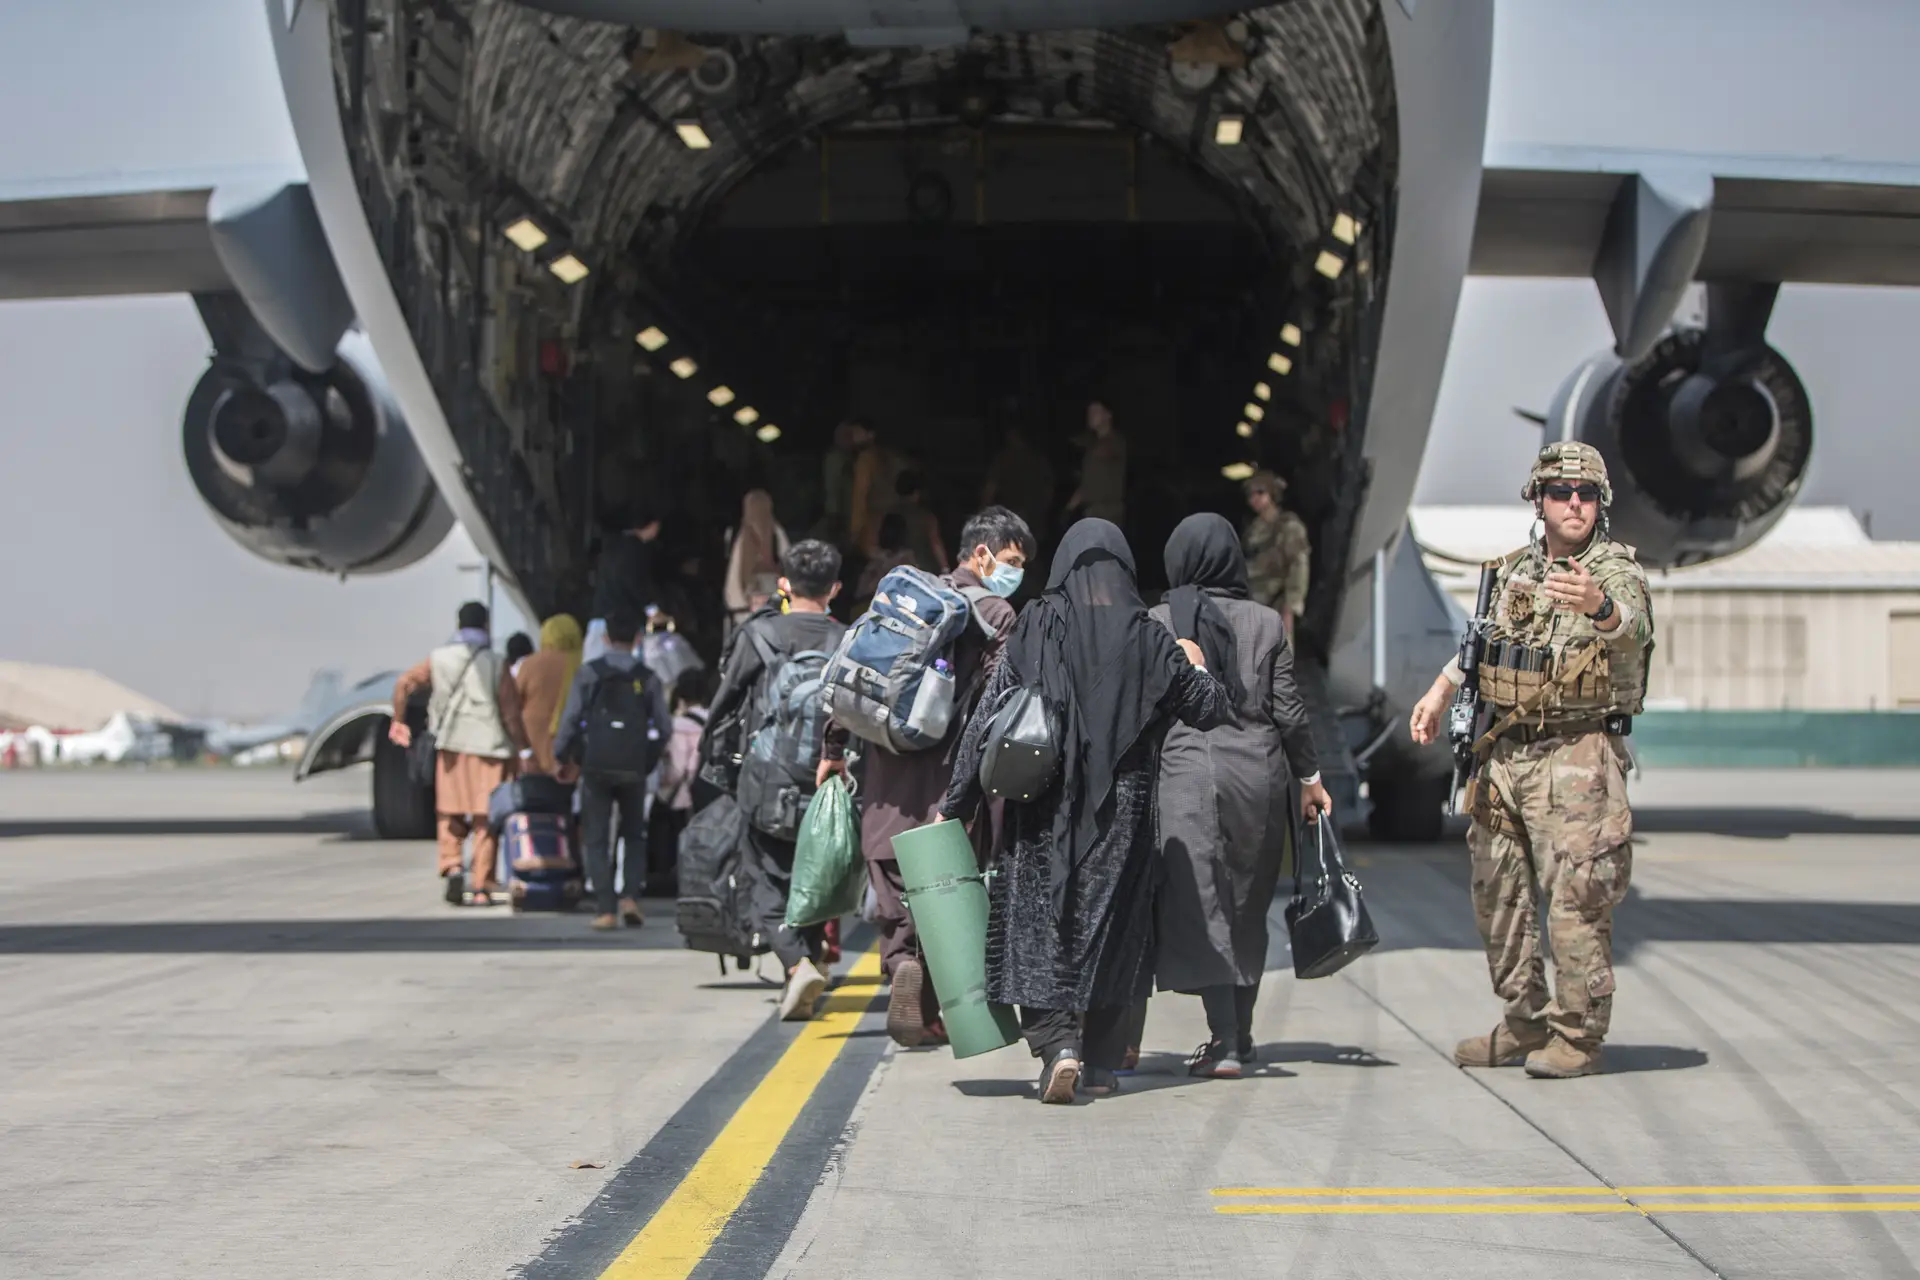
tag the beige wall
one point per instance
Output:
(1765, 650)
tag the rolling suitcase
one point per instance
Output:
(543, 872)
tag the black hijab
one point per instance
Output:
(1091, 649)
(1204, 564)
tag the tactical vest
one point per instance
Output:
(1532, 642)
(464, 708)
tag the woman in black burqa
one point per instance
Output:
(1070, 935)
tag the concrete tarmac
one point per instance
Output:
(244, 1039)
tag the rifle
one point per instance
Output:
(1467, 711)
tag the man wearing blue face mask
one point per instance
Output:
(902, 792)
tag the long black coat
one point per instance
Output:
(1227, 813)
(1100, 953)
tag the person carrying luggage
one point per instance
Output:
(763, 743)
(612, 733)
(903, 789)
(473, 715)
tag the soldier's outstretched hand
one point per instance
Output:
(1574, 589)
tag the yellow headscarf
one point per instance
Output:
(562, 632)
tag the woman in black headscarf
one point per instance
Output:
(1070, 936)
(1225, 814)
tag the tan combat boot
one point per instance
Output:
(1500, 1047)
(1563, 1060)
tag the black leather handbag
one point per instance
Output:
(1023, 748)
(1327, 922)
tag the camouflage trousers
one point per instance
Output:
(1554, 823)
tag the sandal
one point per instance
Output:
(483, 898)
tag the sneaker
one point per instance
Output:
(606, 924)
(1060, 1078)
(1248, 1054)
(804, 984)
(1212, 1061)
(906, 1016)
(630, 913)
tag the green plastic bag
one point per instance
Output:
(829, 874)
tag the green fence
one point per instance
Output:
(1777, 739)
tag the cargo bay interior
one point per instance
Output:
(661, 266)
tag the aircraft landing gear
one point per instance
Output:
(401, 809)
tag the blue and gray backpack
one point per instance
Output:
(891, 680)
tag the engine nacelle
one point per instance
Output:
(1705, 452)
(316, 471)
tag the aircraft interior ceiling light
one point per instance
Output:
(746, 415)
(1252, 412)
(767, 434)
(692, 135)
(1261, 391)
(684, 367)
(1237, 471)
(1290, 334)
(1227, 130)
(720, 396)
(1345, 229)
(1329, 264)
(526, 234)
(568, 269)
(1280, 364)
(1244, 431)
(651, 338)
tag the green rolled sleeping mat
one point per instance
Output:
(948, 898)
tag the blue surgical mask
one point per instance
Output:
(1005, 579)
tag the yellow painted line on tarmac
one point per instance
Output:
(1333, 1192)
(676, 1238)
(1577, 1206)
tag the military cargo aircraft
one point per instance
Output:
(549, 256)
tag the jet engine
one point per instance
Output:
(1706, 441)
(312, 470)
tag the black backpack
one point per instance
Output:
(714, 894)
(620, 732)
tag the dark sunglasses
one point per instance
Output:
(1568, 492)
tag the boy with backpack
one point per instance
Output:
(883, 679)
(612, 733)
(764, 733)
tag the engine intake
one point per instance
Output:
(1706, 448)
(312, 470)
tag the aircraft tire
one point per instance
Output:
(1407, 808)
(401, 810)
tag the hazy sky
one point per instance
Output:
(110, 560)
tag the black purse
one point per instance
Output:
(1023, 748)
(1328, 926)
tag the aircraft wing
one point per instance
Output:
(119, 234)
(1645, 224)
(1545, 210)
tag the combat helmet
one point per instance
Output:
(1268, 482)
(1568, 462)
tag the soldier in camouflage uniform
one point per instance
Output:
(1565, 671)
(1278, 549)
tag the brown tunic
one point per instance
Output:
(463, 783)
(542, 684)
